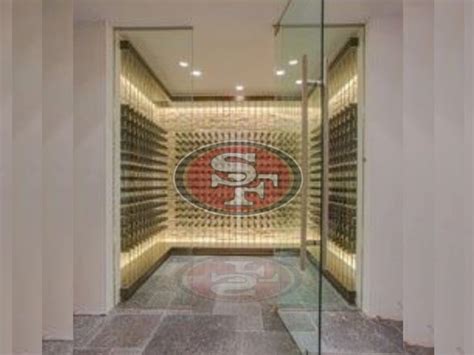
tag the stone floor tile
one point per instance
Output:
(331, 300)
(85, 328)
(181, 312)
(140, 299)
(237, 308)
(193, 303)
(294, 298)
(352, 332)
(192, 324)
(160, 300)
(249, 314)
(389, 330)
(306, 341)
(163, 281)
(397, 325)
(194, 334)
(274, 343)
(202, 305)
(271, 319)
(250, 323)
(126, 331)
(298, 321)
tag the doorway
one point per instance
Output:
(224, 185)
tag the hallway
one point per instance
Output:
(231, 305)
(160, 159)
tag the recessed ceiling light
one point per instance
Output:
(239, 88)
(183, 64)
(299, 82)
(196, 73)
(293, 62)
(280, 72)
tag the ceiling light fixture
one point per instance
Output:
(280, 72)
(196, 73)
(239, 88)
(299, 82)
(183, 64)
(293, 62)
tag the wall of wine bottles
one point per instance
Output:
(276, 229)
(344, 149)
(144, 168)
(266, 121)
(315, 166)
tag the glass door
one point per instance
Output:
(325, 63)
(300, 80)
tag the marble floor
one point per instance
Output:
(218, 305)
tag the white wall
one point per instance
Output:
(449, 227)
(36, 206)
(58, 169)
(438, 72)
(27, 176)
(468, 175)
(418, 165)
(93, 237)
(382, 259)
(5, 176)
(469, 164)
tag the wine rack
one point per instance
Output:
(315, 173)
(343, 178)
(144, 170)
(191, 126)
(343, 164)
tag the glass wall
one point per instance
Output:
(340, 97)
(146, 150)
(300, 56)
(333, 164)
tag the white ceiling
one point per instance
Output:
(233, 59)
(187, 12)
(232, 41)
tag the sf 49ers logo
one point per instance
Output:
(239, 279)
(239, 178)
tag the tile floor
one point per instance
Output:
(231, 305)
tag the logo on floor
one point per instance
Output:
(242, 279)
(240, 178)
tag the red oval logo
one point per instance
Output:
(240, 178)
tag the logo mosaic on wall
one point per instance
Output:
(238, 178)
(243, 279)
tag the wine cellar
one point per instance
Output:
(158, 131)
(343, 165)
